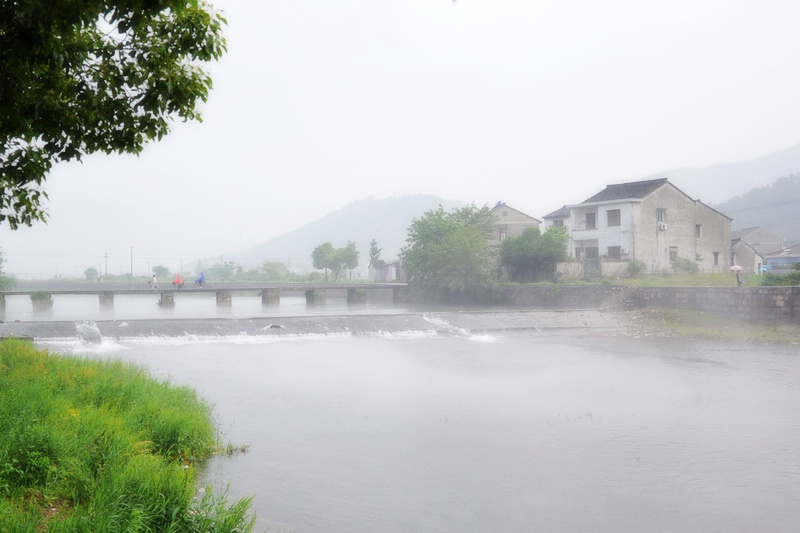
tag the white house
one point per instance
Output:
(651, 221)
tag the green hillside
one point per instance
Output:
(774, 207)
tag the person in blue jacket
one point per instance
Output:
(201, 280)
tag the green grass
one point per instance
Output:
(89, 446)
(696, 324)
(683, 280)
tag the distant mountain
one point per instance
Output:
(385, 220)
(775, 207)
(746, 191)
(718, 183)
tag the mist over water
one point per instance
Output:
(559, 430)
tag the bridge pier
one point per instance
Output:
(107, 300)
(401, 295)
(356, 296)
(315, 296)
(167, 300)
(2, 302)
(41, 300)
(224, 299)
(270, 297)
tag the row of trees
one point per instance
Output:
(448, 256)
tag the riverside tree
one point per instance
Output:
(91, 273)
(374, 251)
(6, 283)
(447, 255)
(533, 255)
(327, 258)
(85, 76)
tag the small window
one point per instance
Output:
(591, 222)
(673, 253)
(697, 231)
(505, 213)
(558, 222)
(716, 258)
(503, 234)
(661, 215)
(614, 252)
(613, 217)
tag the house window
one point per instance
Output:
(592, 252)
(505, 213)
(591, 223)
(716, 259)
(697, 231)
(503, 234)
(673, 253)
(613, 217)
(614, 252)
(558, 222)
(661, 215)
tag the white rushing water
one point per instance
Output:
(517, 431)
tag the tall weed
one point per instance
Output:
(89, 446)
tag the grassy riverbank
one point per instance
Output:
(90, 446)
(696, 324)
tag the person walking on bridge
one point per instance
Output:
(154, 285)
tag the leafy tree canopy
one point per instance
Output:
(447, 255)
(91, 273)
(85, 76)
(374, 251)
(533, 255)
(161, 271)
(225, 271)
(326, 257)
(6, 283)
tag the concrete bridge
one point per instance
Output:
(41, 298)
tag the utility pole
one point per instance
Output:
(131, 261)
(106, 256)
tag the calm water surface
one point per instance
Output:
(520, 432)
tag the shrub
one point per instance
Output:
(682, 264)
(636, 268)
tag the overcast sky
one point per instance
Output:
(321, 103)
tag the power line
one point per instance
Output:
(753, 208)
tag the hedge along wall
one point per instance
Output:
(754, 304)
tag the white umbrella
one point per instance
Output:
(736, 267)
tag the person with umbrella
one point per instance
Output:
(738, 270)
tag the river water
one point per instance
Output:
(519, 430)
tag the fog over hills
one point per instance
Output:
(385, 220)
(761, 192)
(774, 207)
(719, 183)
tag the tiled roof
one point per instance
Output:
(738, 234)
(621, 191)
(563, 212)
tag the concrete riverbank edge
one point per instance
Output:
(766, 305)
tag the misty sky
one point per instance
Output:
(321, 103)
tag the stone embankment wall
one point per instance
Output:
(754, 304)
